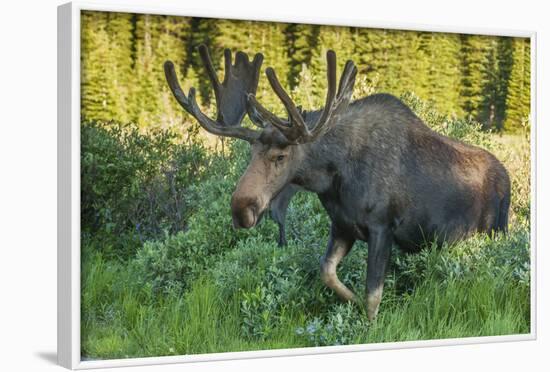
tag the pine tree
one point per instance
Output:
(473, 54)
(389, 59)
(301, 41)
(439, 79)
(233, 35)
(505, 60)
(106, 66)
(313, 79)
(95, 76)
(120, 31)
(372, 48)
(203, 31)
(490, 92)
(169, 45)
(519, 88)
(147, 84)
(405, 69)
(269, 39)
(158, 39)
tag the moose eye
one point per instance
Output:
(280, 158)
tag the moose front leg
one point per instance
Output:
(279, 207)
(338, 248)
(379, 250)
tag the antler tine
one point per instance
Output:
(228, 63)
(331, 93)
(260, 115)
(295, 129)
(253, 114)
(336, 102)
(173, 83)
(214, 128)
(241, 58)
(228, 95)
(207, 62)
(256, 64)
(347, 81)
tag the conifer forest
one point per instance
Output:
(486, 78)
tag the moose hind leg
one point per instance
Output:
(379, 250)
(338, 248)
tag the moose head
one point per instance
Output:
(279, 146)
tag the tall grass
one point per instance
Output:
(255, 311)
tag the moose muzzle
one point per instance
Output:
(245, 212)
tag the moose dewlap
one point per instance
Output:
(382, 175)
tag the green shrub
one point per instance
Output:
(276, 285)
(342, 325)
(172, 262)
(134, 186)
(478, 255)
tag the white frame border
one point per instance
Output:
(68, 190)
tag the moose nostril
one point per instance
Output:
(244, 217)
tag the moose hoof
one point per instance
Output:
(373, 303)
(371, 313)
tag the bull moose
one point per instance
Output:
(382, 175)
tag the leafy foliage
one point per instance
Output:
(134, 186)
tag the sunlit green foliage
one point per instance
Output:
(440, 61)
(519, 96)
(484, 77)
(107, 81)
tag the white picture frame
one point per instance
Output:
(69, 344)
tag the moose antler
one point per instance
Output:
(240, 80)
(295, 128)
